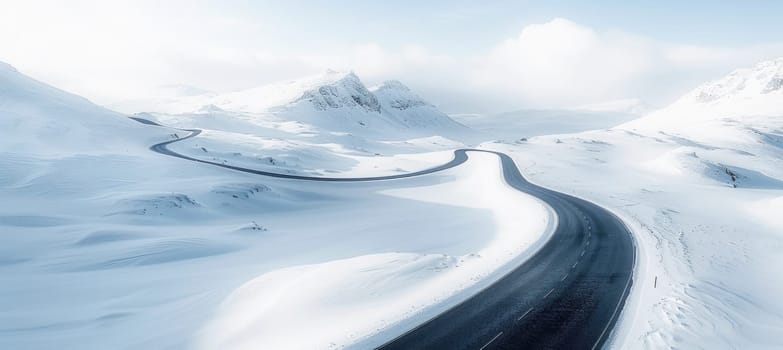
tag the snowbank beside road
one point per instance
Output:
(701, 183)
(339, 302)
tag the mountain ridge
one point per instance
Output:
(755, 92)
(333, 101)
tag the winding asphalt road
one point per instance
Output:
(568, 295)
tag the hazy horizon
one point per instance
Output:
(463, 57)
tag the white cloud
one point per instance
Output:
(561, 62)
(553, 64)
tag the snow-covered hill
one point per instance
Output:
(329, 123)
(329, 102)
(36, 117)
(341, 102)
(406, 108)
(745, 93)
(701, 184)
(107, 245)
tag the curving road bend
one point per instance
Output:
(568, 295)
(162, 148)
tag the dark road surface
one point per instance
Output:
(567, 296)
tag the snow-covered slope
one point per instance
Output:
(329, 123)
(745, 93)
(329, 102)
(390, 110)
(332, 298)
(701, 184)
(38, 118)
(410, 110)
(107, 245)
(341, 102)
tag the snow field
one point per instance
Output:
(333, 299)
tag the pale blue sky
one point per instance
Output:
(436, 23)
(465, 56)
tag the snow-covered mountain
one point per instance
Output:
(37, 117)
(701, 185)
(105, 244)
(741, 112)
(332, 102)
(409, 109)
(99, 233)
(341, 101)
(743, 94)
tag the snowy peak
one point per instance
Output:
(393, 94)
(332, 101)
(765, 78)
(388, 106)
(743, 94)
(339, 90)
(391, 85)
